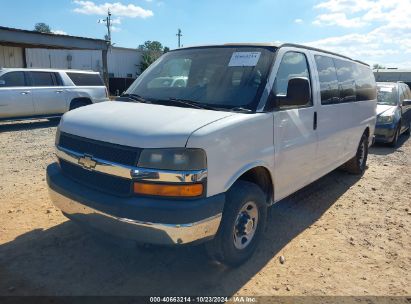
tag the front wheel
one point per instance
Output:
(357, 164)
(242, 225)
(408, 132)
(394, 142)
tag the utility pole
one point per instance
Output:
(107, 22)
(179, 35)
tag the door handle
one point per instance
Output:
(25, 92)
(59, 91)
(315, 121)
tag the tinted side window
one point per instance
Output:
(292, 65)
(42, 79)
(83, 79)
(346, 79)
(365, 85)
(12, 79)
(328, 80)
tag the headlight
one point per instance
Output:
(181, 159)
(385, 119)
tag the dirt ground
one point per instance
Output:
(342, 235)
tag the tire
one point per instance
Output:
(408, 132)
(245, 206)
(78, 104)
(394, 142)
(357, 164)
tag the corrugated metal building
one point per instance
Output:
(11, 57)
(393, 75)
(29, 50)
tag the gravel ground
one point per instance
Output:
(342, 235)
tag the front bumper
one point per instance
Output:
(385, 133)
(142, 219)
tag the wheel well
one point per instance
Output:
(262, 178)
(367, 132)
(83, 100)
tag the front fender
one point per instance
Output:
(244, 169)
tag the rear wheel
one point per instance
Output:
(242, 225)
(357, 164)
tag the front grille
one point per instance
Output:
(98, 149)
(100, 181)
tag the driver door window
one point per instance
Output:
(293, 64)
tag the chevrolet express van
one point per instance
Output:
(202, 158)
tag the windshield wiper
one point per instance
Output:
(191, 103)
(136, 97)
(240, 109)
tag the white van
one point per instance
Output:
(202, 161)
(47, 93)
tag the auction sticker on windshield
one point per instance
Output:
(244, 59)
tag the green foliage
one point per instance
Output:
(42, 28)
(154, 46)
(146, 60)
(152, 50)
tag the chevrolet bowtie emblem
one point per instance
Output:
(87, 162)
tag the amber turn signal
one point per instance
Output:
(191, 190)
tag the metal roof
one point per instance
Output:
(47, 70)
(277, 45)
(19, 37)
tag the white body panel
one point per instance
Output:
(138, 125)
(284, 142)
(16, 101)
(32, 101)
(235, 145)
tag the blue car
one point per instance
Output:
(393, 112)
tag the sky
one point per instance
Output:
(374, 31)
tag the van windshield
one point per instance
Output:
(223, 78)
(387, 95)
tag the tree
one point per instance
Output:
(152, 50)
(153, 46)
(42, 28)
(377, 66)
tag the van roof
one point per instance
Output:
(48, 70)
(278, 45)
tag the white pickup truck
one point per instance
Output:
(40, 93)
(201, 160)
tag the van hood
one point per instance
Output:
(386, 109)
(137, 124)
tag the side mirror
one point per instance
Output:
(2, 82)
(298, 93)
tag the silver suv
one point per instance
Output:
(35, 93)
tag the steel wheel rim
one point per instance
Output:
(245, 225)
